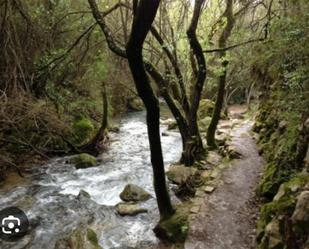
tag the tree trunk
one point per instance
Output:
(144, 16)
(194, 146)
(218, 107)
(94, 146)
(222, 79)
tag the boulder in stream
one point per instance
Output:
(130, 209)
(172, 125)
(133, 192)
(83, 161)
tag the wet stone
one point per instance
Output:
(130, 209)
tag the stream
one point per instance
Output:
(50, 196)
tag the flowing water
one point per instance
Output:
(50, 196)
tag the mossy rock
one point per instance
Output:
(130, 209)
(179, 173)
(175, 228)
(300, 217)
(271, 181)
(83, 161)
(273, 209)
(135, 104)
(133, 192)
(206, 108)
(80, 238)
(172, 125)
(83, 130)
(204, 123)
(93, 238)
(83, 195)
(273, 238)
(283, 204)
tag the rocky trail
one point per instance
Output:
(227, 216)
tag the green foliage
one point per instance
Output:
(83, 130)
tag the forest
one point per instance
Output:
(148, 124)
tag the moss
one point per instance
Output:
(83, 129)
(175, 228)
(92, 237)
(283, 204)
(83, 160)
(269, 211)
(206, 108)
(270, 183)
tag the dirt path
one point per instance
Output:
(227, 217)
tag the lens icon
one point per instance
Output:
(14, 224)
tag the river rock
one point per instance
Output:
(83, 161)
(81, 238)
(114, 128)
(83, 195)
(204, 123)
(133, 192)
(130, 209)
(172, 125)
(179, 173)
(206, 108)
(300, 218)
(135, 104)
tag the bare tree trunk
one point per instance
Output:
(144, 16)
(222, 79)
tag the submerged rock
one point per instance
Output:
(133, 192)
(83, 195)
(130, 209)
(179, 173)
(83, 161)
